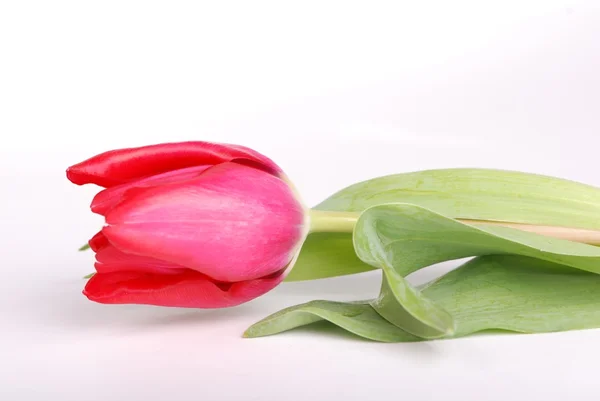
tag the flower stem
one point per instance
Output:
(344, 222)
(584, 236)
(332, 222)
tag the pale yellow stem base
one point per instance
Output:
(332, 222)
(567, 233)
(326, 221)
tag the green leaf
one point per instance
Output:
(327, 255)
(407, 308)
(89, 276)
(399, 302)
(475, 194)
(403, 238)
(519, 294)
(413, 237)
(84, 247)
(358, 318)
(479, 194)
(503, 292)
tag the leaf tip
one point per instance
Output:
(248, 333)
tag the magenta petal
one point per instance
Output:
(109, 259)
(98, 241)
(232, 223)
(121, 166)
(108, 198)
(186, 290)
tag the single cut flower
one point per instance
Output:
(191, 224)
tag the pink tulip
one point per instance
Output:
(191, 224)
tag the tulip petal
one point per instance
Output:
(120, 166)
(232, 223)
(110, 197)
(109, 260)
(98, 241)
(189, 289)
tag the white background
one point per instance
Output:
(335, 92)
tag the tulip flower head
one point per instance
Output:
(191, 224)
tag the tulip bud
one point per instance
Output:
(191, 224)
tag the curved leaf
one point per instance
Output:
(406, 307)
(399, 302)
(402, 238)
(475, 194)
(479, 194)
(413, 237)
(327, 255)
(504, 292)
(358, 318)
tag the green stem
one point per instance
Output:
(332, 222)
(344, 222)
